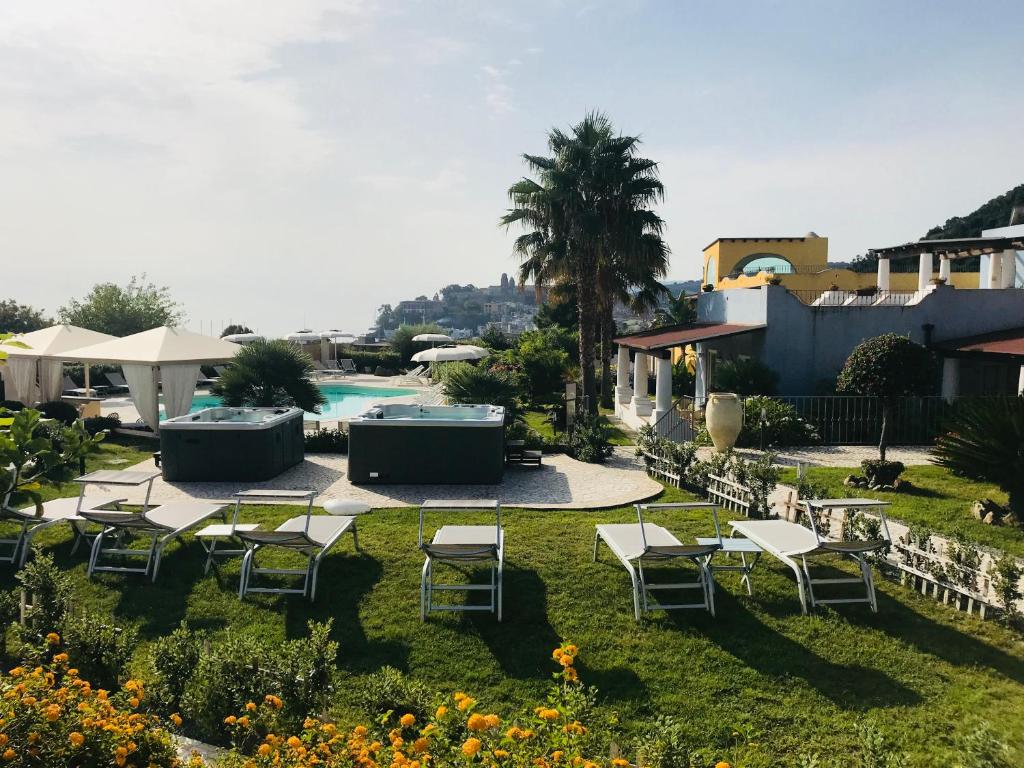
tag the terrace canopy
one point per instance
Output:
(170, 355)
(999, 355)
(998, 259)
(35, 372)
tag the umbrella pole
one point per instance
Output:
(86, 366)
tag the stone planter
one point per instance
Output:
(724, 419)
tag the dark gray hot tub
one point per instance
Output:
(427, 444)
(231, 444)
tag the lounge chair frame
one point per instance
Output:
(459, 546)
(31, 525)
(294, 540)
(699, 555)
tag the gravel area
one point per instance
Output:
(836, 455)
(560, 483)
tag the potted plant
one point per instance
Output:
(938, 281)
(708, 288)
(774, 280)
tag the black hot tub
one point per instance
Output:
(231, 444)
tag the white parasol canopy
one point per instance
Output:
(174, 354)
(242, 338)
(449, 353)
(433, 337)
(43, 360)
(302, 336)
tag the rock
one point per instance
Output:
(851, 481)
(991, 519)
(978, 510)
(889, 488)
(1010, 518)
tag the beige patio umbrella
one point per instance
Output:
(171, 354)
(42, 359)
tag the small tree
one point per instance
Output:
(401, 341)
(235, 328)
(887, 367)
(270, 373)
(123, 310)
(21, 318)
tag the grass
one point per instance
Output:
(924, 674)
(937, 499)
(540, 422)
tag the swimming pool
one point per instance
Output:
(343, 400)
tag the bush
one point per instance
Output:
(390, 691)
(96, 424)
(52, 717)
(101, 650)
(174, 659)
(783, 427)
(745, 377)
(589, 440)
(544, 366)
(11, 405)
(65, 413)
(270, 373)
(375, 360)
(403, 345)
(324, 440)
(469, 384)
(881, 472)
(48, 597)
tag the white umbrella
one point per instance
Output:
(242, 338)
(338, 336)
(175, 352)
(301, 336)
(43, 357)
(449, 353)
(433, 338)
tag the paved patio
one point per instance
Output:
(835, 455)
(560, 483)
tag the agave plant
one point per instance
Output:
(270, 373)
(985, 441)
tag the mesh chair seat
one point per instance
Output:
(852, 547)
(680, 550)
(462, 551)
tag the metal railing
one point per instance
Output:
(682, 421)
(828, 298)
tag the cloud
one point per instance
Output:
(498, 94)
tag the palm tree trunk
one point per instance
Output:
(607, 331)
(586, 293)
(883, 438)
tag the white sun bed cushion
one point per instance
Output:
(626, 541)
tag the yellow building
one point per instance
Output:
(799, 263)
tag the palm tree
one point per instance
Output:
(270, 373)
(588, 225)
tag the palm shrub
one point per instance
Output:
(270, 373)
(886, 367)
(985, 441)
(466, 384)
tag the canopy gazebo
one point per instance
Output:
(169, 355)
(35, 372)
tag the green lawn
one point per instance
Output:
(937, 499)
(923, 673)
(541, 423)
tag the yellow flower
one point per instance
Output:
(476, 722)
(471, 746)
(9, 754)
(548, 714)
(76, 739)
(294, 742)
(569, 673)
(571, 650)
(53, 638)
(500, 753)
(176, 719)
(557, 654)
(359, 730)
(60, 658)
(29, 701)
(273, 701)
(243, 721)
(250, 706)
(264, 750)
(441, 712)
(421, 744)
(565, 661)
(230, 719)
(620, 763)
(722, 764)
(407, 720)
(133, 702)
(465, 703)
(52, 713)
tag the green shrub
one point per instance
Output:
(324, 440)
(100, 650)
(174, 659)
(782, 426)
(374, 360)
(666, 744)
(48, 595)
(403, 345)
(745, 377)
(544, 365)
(881, 472)
(390, 691)
(475, 385)
(96, 424)
(65, 413)
(589, 440)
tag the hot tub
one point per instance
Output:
(231, 444)
(427, 444)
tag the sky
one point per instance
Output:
(297, 164)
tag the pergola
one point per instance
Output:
(658, 343)
(35, 371)
(1006, 346)
(998, 259)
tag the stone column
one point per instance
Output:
(924, 272)
(1008, 269)
(990, 273)
(701, 382)
(945, 263)
(883, 274)
(622, 389)
(641, 405)
(662, 388)
(950, 378)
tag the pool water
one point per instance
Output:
(343, 400)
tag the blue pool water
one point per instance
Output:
(343, 400)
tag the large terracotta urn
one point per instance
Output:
(724, 417)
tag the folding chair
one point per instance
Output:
(161, 524)
(635, 544)
(308, 535)
(857, 549)
(54, 512)
(459, 545)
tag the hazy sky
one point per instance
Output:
(299, 162)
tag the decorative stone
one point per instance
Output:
(851, 481)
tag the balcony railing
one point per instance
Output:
(828, 298)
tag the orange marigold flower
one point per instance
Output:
(29, 701)
(264, 750)
(557, 755)
(500, 753)
(359, 730)
(9, 754)
(471, 746)
(76, 739)
(620, 763)
(569, 673)
(407, 720)
(476, 722)
(441, 712)
(60, 658)
(250, 706)
(294, 742)
(52, 712)
(421, 744)
(557, 654)
(176, 719)
(230, 719)
(493, 721)
(722, 764)
(53, 638)
(566, 661)
(548, 714)
(133, 702)
(571, 650)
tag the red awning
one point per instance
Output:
(681, 335)
(1009, 342)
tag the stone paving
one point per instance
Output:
(560, 483)
(835, 455)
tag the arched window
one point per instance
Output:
(771, 263)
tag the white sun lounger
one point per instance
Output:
(636, 543)
(347, 366)
(308, 534)
(161, 524)
(459, 545)
(788, 541)
(54, 512)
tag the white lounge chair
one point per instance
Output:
(70, 388)
(161, 524)
(116, 381)
(418, 375)
(460, 545)
(54, 512)
(640, 543)
(309, 535)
